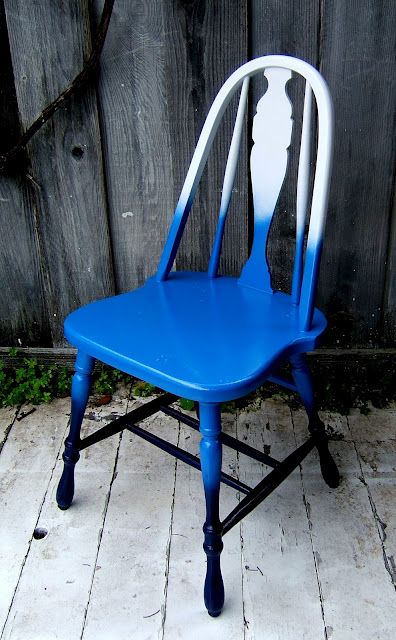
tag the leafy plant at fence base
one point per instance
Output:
(32, 382)
(339, 385)
(36, 383)
(106, 379)
(187, 405)
(143, 389)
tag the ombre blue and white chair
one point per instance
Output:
(239, 330)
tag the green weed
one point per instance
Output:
(32, 382)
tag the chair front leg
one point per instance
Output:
(303, 381)
(211, 454)
(81, 385)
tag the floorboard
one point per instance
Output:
(357, 596)
(55, 581)
(7, 418)
(126, 560)
(135, 542)
(281, 594)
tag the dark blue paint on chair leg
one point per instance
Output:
(81, 385)
(303, 381)
(211, 450)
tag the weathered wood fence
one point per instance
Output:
(87, 214)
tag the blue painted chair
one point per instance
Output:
(234, 333)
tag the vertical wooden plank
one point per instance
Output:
(289, 28)
(375, 443)
(23, 312)
(26, 467)
(388, 328)
(208, 42)
(49, 42)
(357, 59)
(160, 69)
(280, 587)
(135, 126)
(56, 576)
(133, 555)
(358, 598)
(23, 308)
(7, 419)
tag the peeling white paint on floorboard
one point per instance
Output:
(281, 597)
(309, 563)
(53, 591)
(7, 417)
(27, 462)
(357, 595)
(128, 594)
(374, 436)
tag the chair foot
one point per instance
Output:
(65, 491)
(214, 587)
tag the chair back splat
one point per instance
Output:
(271, 133)
(214, 338)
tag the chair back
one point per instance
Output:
(272, 134)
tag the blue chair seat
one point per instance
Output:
(207, 339)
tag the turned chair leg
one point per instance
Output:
(303, 381)
(211, 449)
(81, 385)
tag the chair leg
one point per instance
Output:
(211, 453)
(303, 381)
(81, 385)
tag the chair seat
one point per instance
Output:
(207, 339)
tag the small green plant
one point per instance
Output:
(187, 405)
(32, 382)
(339, 386)
(143, 389)
(106, 379)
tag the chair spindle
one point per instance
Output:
(229, 177)
(302, 194)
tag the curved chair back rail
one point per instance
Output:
(272, 129)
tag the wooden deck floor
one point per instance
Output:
(126, 561)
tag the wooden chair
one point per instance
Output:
(238, 330)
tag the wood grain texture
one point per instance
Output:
(277, 558)
(349, 556)
(357, 59)
(23, 308)
(7, 419)
(23, 312)
(388, 320)
(135, 125)
(36, 441)
(162, 65)
(48, 43)
(291, 29)
(78, 582)
(74, 535)
(209, 41)
(134, 553)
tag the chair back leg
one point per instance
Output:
(211, 455)
(303, 381)
(81, 385)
